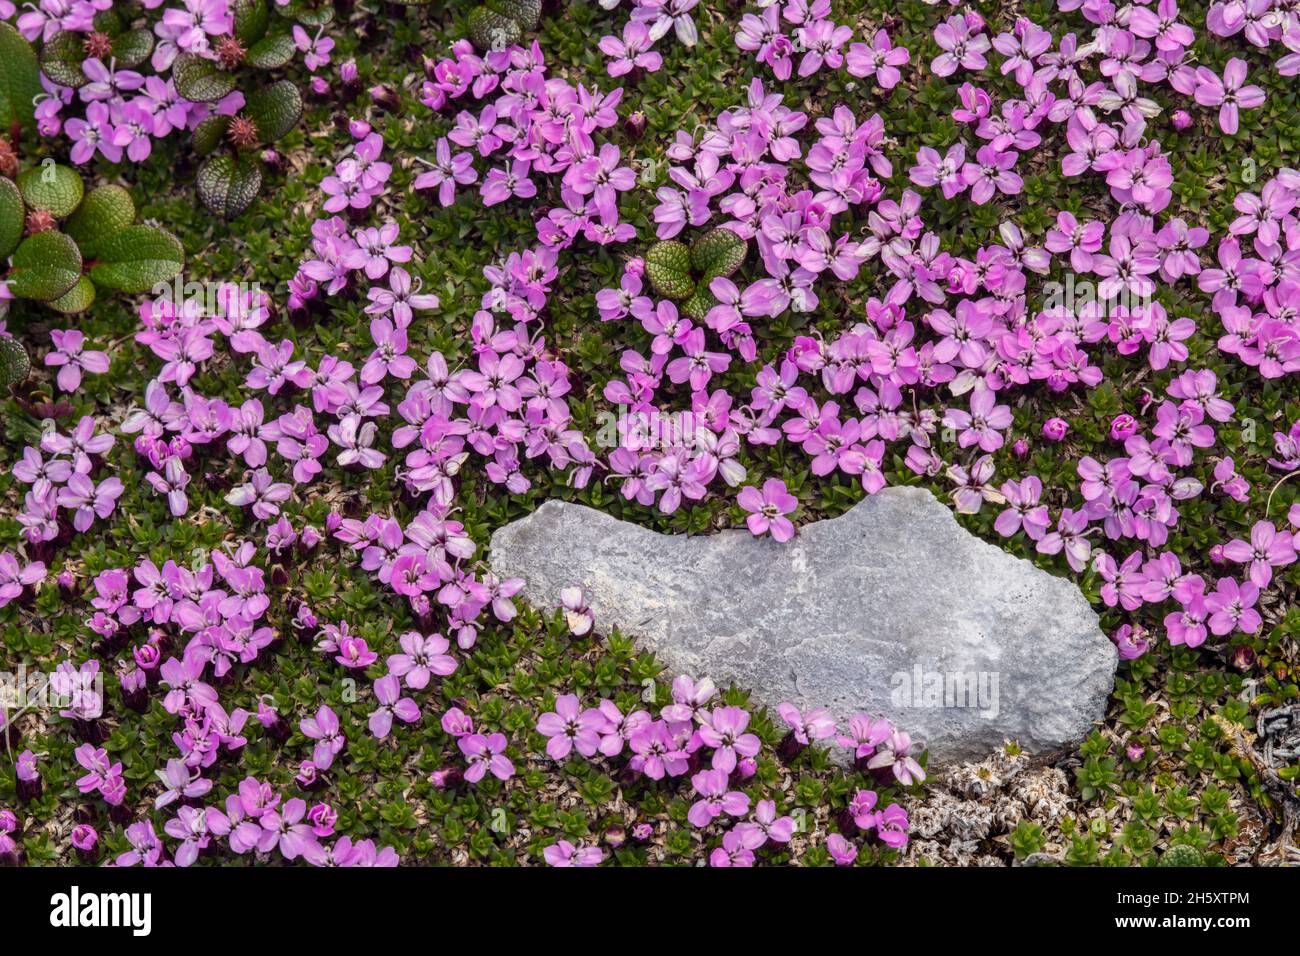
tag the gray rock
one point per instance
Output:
(892, 609)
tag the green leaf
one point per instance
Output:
(105, 212)
(15, 366)
(46, 265)
(228, 187)
(271, 52)
(251, 18)
(489, 30)
(208, 133)
(54, 188)
(200, 80)
(275, 110)
(668, 266)
(77, 299)
(20, 79)
(61, 59)
(718, 252)
(132, 48)
(138, 258)
(107, 21)
(305, 13)
(13, 214)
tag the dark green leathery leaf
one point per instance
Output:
(227, 186)
(105, 212)
(45, 266)
(137, 258)
(275, 109)
(20, 79)
(15, 366)
(199, 79)
(489, 30)
(668, 267)
(54, 188)
(61, 59)
(13, 214)
(718, 252)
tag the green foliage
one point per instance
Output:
(15, 366)
(20, 80)
(56, 189)
(229, 184)
(99, 238)
(668, 267)
(489, 30)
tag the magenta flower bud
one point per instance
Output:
(8, 822)
(1123, 427)
(147, 656)
(635, 267)
(1135, 753)
(275, 726)
(642, 832)
(1181, 119)
(320, 87)
(84, 837)
(975, 23)
(616, 835)
(309, 538)
(348, 71)
(333, 521)
(359, 128)
(635, 125)
(322, 817)
(1216, 554)
(307, 776)
(11, 854)
(1243, 658)
(28, 777)
(746, 767)
(386, 98)
(1055, 429)
(446, 778)
(1020, 448)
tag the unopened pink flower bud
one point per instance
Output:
(1123, 427)
(1055, 429)
(1181, 119)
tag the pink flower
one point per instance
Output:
(68, 356)
(1229, 93)
(769, 509)
(1267, 549)
(486, 753)
(716, 799)
(570, 727)
(564, 853)
(841, 850)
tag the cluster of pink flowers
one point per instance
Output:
(64, 483)
(713, 744)
(650, 22)
(120, 111)
(818, 42)
(535, 124)
(252, 820)
(484, 753)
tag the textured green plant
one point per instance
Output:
(99, 246)
(15, 366)
(230, 176)
(683, 273)
(499, 23)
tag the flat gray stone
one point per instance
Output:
(892, 609)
